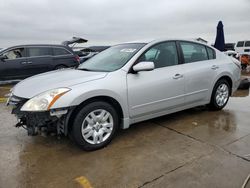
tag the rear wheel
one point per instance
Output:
(94, 126)
(220, 95)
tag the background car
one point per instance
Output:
(89, 52)
(19, 62)
(243, 47)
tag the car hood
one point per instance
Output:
(35, 85)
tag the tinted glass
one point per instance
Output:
(60, 51)
(193, 52)
(240, 44)
(211, 53)
(247, 43)
(163, 55)
(14, 53)
(39, 51)
(112, 59)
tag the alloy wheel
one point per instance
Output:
(97, 126)
(222, 94)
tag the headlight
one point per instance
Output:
(44, 101)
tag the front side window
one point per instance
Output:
(193, 52)
(60, 51)
(39, 51)
(240, 44)
(112, 59)
(14, 53)
(163, 55)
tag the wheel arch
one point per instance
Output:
(228, 79)
(108, 99)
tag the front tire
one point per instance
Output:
(94, 126)
(220, 95)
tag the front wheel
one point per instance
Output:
(220, 95)
(94, 126)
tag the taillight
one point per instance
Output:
(77, 58)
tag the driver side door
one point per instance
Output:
(152, 93)
(12, 67)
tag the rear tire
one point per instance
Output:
(220, 95)
(94, 126)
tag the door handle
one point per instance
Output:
(26, 62)
(177, 76)
(214, 67)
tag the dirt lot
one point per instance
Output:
(193, 148)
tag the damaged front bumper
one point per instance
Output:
(40, 123)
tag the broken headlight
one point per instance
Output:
(44, 101)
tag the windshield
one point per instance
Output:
(112, 59)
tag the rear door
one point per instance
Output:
(13, 67)
(200, 69)
(39, 59)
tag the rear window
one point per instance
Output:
(247, 43)
(60, 51)
(39, 51)
(240, 44)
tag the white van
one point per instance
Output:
(243, 47)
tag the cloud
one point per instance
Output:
(114, 21)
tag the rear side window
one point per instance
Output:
(39, 51)
(240, 44)
(247, 44)
(211, 53)
(60, 51)
(193, 52)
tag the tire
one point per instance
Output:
(60, 67)
(93, 120)
(220, 95)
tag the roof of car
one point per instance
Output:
(147, 41)
(164, 39)
(37, 45)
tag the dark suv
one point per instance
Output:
(20, 62)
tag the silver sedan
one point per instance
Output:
(123, 85)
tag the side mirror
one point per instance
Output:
(144, 66)
(3, 57)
